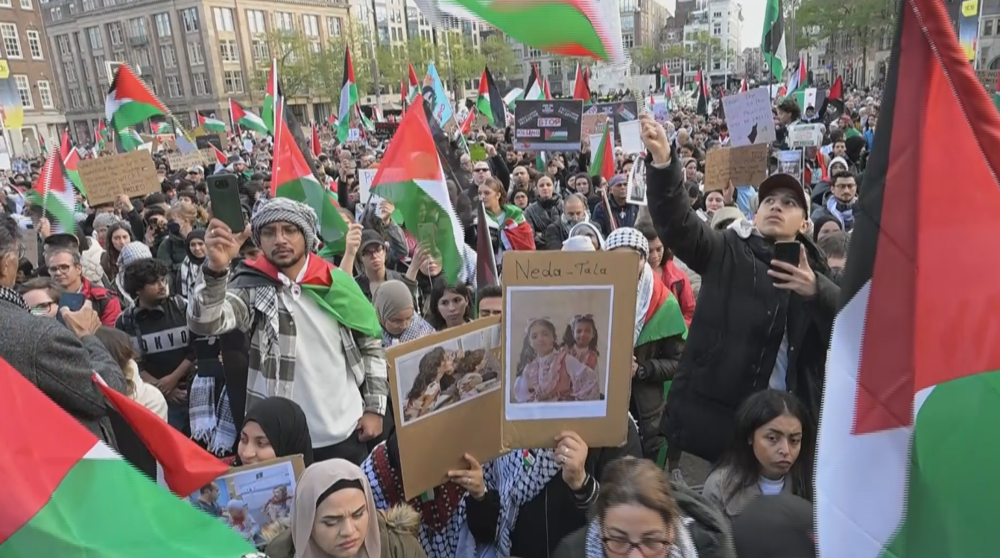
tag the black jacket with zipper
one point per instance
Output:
(657, 362)
(738, 324)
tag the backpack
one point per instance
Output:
(710, 530)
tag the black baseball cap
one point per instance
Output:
(778, 526)
(369, 237)
(783, 181)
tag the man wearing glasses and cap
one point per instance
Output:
(760, 323)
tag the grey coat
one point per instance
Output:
(52, 358)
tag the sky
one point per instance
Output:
(753, 22)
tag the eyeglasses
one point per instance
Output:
(53, 269)
(650, 548)
(480, 170)
(43, 308)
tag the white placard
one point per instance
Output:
(354, 134)
(365, 179)
(630, 136)
(805, 135)
(749, 118)
(595, 142)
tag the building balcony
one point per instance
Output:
(139, 41)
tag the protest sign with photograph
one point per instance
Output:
(749, 117)
(790, 162)
(593, 124)
(569, 320)
(446, 401)
(105, 178)
(805, 135)
(744, 166)
(619, 111)
(636, 194)
(548, 125)
(256, 500)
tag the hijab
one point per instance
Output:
(284, 423)
(197, 234)
(392, 298)
(316, 482)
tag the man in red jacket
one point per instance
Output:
(65, 269)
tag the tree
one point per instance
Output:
(849, 29)
(499, 56)
(648, 58)
(704, 49)
(292, 51)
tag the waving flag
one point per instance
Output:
(70, 160)
(316, 147)
(743, 85)
(100, 135)
(534, 91)
(162, 127)
(129, 101)
(211, 124)
(68, 494)
(413, 86)
(833, 103)
(54, 193)
(245, 119)
(271, 97)
(348, 98)
(580, 89)
(489, 103)
(410, 176)
(604, 155)
(907, 459)
(563, 27)
(772, 41)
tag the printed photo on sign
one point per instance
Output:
(558, 351)
(450, 373)
(637, 183)
(255, 501)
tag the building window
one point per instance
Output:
(716, 15)
(91, 96)
(45, 94)
(223, 19)
(310, 25)
(116, 34)
(169, 56)
(35, 45)
(987, 27)
(55, 13)
(233, 81)
(118, 56)
(534, 53)
(200, 84)
(75, 99)
(62, 41)
(190, 18)
(88, 5)
(11, 41)
(4, 3)
(628, 41)
(141, 58)
(174, 87)
(99, 65)
(555, 67)
(137, 27)
(230, 52)
(333, 26)
(196, 56)
(24, 90)
(284, 21)
(259, 49)
(70, 70)
(27, 5)
(255, 21)
(162, 24)
(96, 40)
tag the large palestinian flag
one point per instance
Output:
(65, 493)
(245, 119)
(55, 194)
(489, 102)
(129, 101)
(348, 98)
(70, 159)
(271, 96)
(908, 452)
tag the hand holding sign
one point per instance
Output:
(655, 139)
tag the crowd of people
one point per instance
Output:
(241, 340)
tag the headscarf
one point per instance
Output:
(190, 271)
(284, 210)
(197, 234)
(284, 424)
(587, 228)
(578, 244)
(627, 237)
(315, 482)
(390, 299)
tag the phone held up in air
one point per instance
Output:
(224, 193)
(73, 301)
(788, 252)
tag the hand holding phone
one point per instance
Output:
(788, 252)
(790, 269)
(224, 193)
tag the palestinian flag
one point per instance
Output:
(772, 41)
(101, 136)
(743, 85)
(54, 193)
(489, 103)
(545, 90)
(907, 460)
(211, 124)
(245, 119)
(42, 145)
(663, 317)
(833, 104)
(68, 494)
(603, 163)
(348, 98)
(70, 159)
(317, 149)
(292, 178)
(127, 140)
(486, 258)
(220, 157)
(580, 89)
(533, 90)
(271, 96)
(562, 27)
(702, 95)
(798, 80)
(411, 177)
(129, 101)
(466, 126)
(161, 127)
(413, 87)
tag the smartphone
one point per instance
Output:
(224, 193)
(73, 301)
(788, 252)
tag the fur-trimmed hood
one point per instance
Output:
(401, 519)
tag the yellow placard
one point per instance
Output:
(4, 69)
(970, 8)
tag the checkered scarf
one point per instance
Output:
(417, 329)
(7, 295)
(211, 422)
(683, 546)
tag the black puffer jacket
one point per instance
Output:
(540, 214)
(739, 323)
(657, 362)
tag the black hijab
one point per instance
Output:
(284, 423)
(197, 234)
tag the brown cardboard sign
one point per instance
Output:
(446, 401)
(593, 124)
(569, 320)
(742, 165)
(182, 161)
(105, 178)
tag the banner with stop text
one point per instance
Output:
(548, 125)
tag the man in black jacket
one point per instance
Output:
(760, 323)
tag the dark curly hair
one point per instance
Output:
(427, 370)
(141, 273)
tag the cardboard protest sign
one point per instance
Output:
(105, 178)
(548, 125)
(742, 165)
(805, 135)
(546, 294)
(749, 117)
(446, 400)
(593, 124)
(180, 161)
(203, 142)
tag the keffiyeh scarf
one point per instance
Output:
(8, 295)
(211, 422)
(418, 328)
(444, 531)
(518, 477)
(683, 546)
(843, 213)
(190, 273)
(642, 301)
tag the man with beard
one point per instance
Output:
(314, 337)
(158, 327)
(574, 211)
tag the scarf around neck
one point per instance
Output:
(658, 314)
(518, 477)
(683, 546)
(9, 295)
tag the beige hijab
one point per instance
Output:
(313, 482)
(391, 298)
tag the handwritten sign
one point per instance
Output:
(749, 117)
(805, 135)
(593, 124)
(525, 270)
(181, 161)
(105, 178)
(742, 165)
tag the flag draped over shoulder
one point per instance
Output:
(66, 493)
(129, 101)
(663, 317)
(411, 177)
(907, 460)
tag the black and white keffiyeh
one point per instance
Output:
(518, 477)
(211, 422)
(9, 295)
(683, 546)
